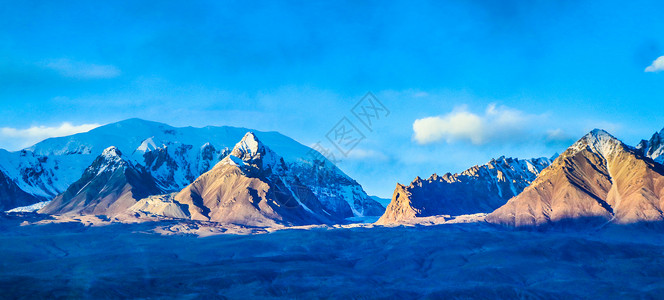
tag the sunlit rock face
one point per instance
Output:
(251, 186)
(597, 180)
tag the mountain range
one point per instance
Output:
(598, 180)
(111, 168)
(480, 189)
(141, 169)
(251, 186)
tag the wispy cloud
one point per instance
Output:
(496, 123)
(364, 154)
(81, 70)
(21, 138)
(657, 65)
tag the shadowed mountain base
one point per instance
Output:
(477, 261)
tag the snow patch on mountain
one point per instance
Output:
(30, 208)
(598, 141)
(147, 145)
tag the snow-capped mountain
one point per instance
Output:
(109, 186)
(251, 186)
(653, 148)
(480, 189)
(599, 179)
(13, 196)
(174, 157)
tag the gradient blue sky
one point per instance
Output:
(485, 78)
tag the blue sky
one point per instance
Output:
(464, 81)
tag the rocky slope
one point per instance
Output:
(174, 157)
(597, 180)
(109, 186)
(251, 186)
(480, 189)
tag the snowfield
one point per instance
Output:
(456, 261)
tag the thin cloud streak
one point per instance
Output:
(81, 70)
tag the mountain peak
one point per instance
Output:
(599, 141)
(109, 160)
(250, 143)
(653, 148)
(111, 151)
(248, 148)
(598, 134)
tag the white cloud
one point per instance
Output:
(495, 124)
(557, 135)
(82, 70)
(657, 65)
(420, 94)
(20, 138)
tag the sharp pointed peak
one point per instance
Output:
(108, 161)
(111, 151)
(250, 135)
(598, 140)
(554, 156)
(249, 144)
(599, 133)
(657, 136)
(597, 136)
(111, 156)
(252, 151)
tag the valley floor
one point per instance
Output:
(466, 260)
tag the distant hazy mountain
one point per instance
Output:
(173, 157)
(597, 180)
(480, 189)
(253, 186)
(383, 201)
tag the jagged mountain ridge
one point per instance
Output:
(654, 147)
(480, 189)
(597, 180)
(174, 157)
